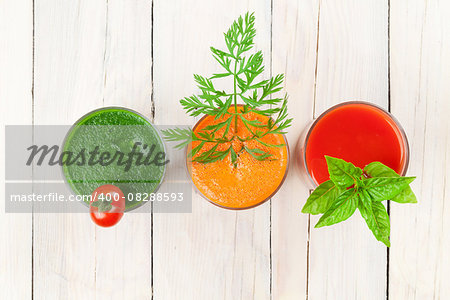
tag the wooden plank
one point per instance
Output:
(123, 253)
(420, 75)
(210, 253)
(69, 81)
(16, 56)
(90, 55)
(346, 261)
(294, 43)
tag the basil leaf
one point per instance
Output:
(377, 169)
(342, 208)
(321, 198)
(382, 217)
(386, 188)
(376, 217)
(343, 174)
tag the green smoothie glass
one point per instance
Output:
(118, 146)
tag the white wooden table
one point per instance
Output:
(60, 59)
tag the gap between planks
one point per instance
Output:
(313, 116)
(389, 110)
(32, 137)
(270, 201)
(152, 115)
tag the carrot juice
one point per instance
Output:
(247, 183)
(357, 132)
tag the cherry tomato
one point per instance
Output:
(107, 205)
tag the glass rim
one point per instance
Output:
(387, 113)
(76, 123)
(246, 207)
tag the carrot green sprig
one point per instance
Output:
(256, 95)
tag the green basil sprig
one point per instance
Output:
(351, 188)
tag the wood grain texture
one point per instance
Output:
(211, 253)
(294, 43)
(420, 99)
(88, 55)
(69, 51)
(346, 261)
(93, 53)
(16, 56)
(123, 253)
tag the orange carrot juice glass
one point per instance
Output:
(358, 132)
(249, 182)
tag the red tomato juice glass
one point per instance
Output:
(355, 131)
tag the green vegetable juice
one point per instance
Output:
(114, 146)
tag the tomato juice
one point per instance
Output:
(357, 132)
